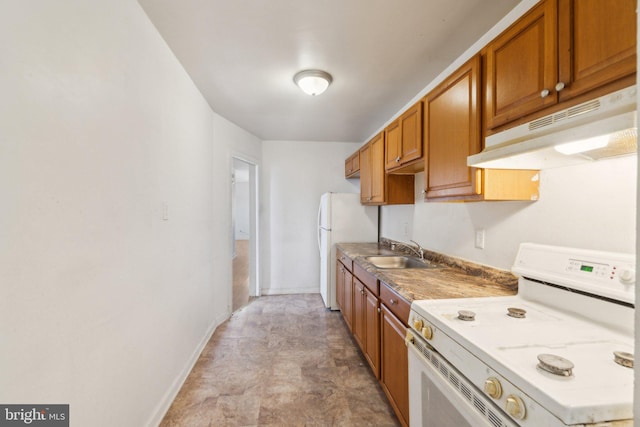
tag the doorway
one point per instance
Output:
(244, 231)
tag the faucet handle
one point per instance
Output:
(420, 250)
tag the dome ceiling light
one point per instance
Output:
(313, 82)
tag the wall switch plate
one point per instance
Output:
(480, 239)
(165, 211)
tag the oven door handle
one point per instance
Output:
(409, 338)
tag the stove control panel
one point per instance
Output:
(623, 273)
(607, 274)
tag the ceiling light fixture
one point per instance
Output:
(313, 82)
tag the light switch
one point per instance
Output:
(165, 211)
(480, 239)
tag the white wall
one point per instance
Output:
(296, 174)
(105, 304)
(590, 206)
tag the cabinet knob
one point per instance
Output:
(397, 159)
(392, 301)
(544, 93)
(424, 191)
(559, 86)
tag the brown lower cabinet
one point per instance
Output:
(394, 366)
(377, 317)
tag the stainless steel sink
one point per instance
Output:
(397, 262)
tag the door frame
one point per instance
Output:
(254, 220)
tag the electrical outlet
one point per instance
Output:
(480, 239)
(406, 229)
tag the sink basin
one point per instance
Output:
(397, 262)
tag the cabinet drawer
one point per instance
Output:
(345, 260)
(396, 304)
(368, 279)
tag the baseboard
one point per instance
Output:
(283, 291)
(170, 395)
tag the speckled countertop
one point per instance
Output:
(452, 278)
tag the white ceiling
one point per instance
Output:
(242, 55)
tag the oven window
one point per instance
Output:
(437, 409)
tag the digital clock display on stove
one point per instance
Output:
(587, 268)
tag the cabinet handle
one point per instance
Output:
(392, 301)
(559, 86)
(361, 291)
(544, 93)
(379, 311)
(424, 191)
(397, 159)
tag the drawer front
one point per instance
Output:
(345, 260)
(368, 279)
(395, 303)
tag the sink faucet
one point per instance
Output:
(418, 250)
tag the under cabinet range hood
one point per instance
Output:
(602, 128)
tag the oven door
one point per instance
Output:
(440, 396)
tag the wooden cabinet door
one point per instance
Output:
(366, 174)
(340, 273)
(372, 332)
(355, 162)
(352, 165)
(412, 133)
(378, 174)
(522, 66)
(393, 147)
(597, 43)
(452, 132)
(394, 365)
(347, 311)
(358, 312)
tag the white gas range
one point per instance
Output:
(556, 354)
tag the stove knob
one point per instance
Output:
(417, 324)
(627, 276)
(515, 407)
(493, 388)
(427, 332)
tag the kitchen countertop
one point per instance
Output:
(453, 277)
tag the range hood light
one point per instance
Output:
(581, 146)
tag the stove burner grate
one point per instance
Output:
(555, 364)
(466, 315)
(623, 358)
(518, 313)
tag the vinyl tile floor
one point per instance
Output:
(281, 361)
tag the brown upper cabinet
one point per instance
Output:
(352, 166)
(557, 51)
(376, 186)
(404, 142)
(453, 132)
(372, 171)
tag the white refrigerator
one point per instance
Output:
(341, 218)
